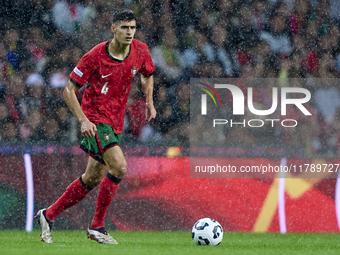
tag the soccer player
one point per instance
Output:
(107, 71)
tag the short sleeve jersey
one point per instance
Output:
(108, 81)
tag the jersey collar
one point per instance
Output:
(115, 59)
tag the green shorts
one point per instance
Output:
(104, 139)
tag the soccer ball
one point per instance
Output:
(207, 231)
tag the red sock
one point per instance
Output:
(106, 192)
(74, 193)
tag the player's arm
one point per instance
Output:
(88, 129)
(147, 86)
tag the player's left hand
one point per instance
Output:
(150, 112)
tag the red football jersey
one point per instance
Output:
(108, 81)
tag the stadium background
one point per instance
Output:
(41, 41)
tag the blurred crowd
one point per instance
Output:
(42, 41)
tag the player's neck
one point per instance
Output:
(118, 50)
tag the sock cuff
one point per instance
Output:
(112, 178)
(85, 186)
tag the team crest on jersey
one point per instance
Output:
(134, 70)
(107, 137)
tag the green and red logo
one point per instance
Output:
(204, 97)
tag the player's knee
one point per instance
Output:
(93, 180)
(119, 170)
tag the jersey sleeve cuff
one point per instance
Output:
(76, 83)
(148, 75)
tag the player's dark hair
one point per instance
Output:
(122, 14)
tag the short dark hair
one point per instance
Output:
(122, 14)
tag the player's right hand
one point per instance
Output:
(88, 129)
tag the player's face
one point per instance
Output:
(124, 31)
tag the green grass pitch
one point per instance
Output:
(75, 242)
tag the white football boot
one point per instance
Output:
(100, 235)
(46, 226)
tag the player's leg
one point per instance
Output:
(116, 163)
(78, 189)
(74, 193)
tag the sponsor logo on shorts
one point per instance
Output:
(107, 137)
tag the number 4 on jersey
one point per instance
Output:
(105, 89)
